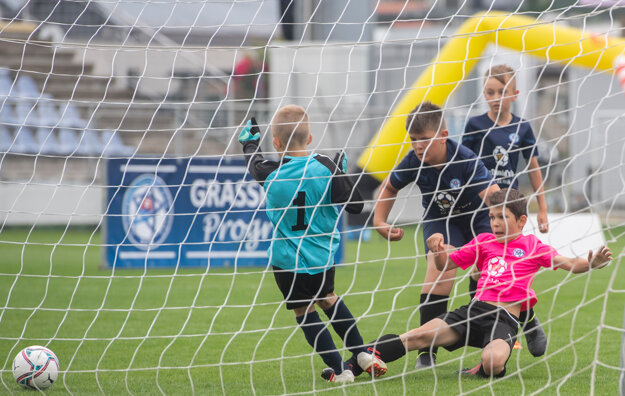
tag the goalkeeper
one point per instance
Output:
(454, 185)
(302, 194)
(508, 262)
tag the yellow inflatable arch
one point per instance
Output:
(457, 58)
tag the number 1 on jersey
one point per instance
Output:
(300, 201)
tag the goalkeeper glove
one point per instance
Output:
(250, 132)
(340, 159)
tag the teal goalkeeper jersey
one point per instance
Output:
(302, 194)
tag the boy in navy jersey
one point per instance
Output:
(454, 186)
(497, 137)
(302, 193)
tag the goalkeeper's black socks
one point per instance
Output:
(472, 287)
(320, 339)
(345, 326)
(432, 306)
(388, 347)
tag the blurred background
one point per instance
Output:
(82, 81)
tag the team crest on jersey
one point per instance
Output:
(445, 201)
(454, 184)
(518, 252)
(514, 138)
(146, 211)
(496, 266)
(501, 156)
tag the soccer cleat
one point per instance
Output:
(475, 371)
(517, 345)
(425, 360)
(352, 364)
(371, 362)
(343, 378)
(536, 339)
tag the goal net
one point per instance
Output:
(133, 239)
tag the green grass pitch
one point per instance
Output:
(221, 331)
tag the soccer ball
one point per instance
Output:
(35, 367)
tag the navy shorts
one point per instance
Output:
(458, 231)
(301, 289)
(479, 323)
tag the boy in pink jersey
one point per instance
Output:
(507, 261)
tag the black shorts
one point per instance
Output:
(301, 289)
(479, 323)
(458, 231)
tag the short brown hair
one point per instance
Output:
(502, 73)
(511, 199)
(426, 116)
(290, 126)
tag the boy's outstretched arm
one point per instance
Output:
(250, 138)
(383, 205)
(439, 251)
(579, 264)
(536, 178)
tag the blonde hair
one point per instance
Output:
(502, 73)
(290, 126)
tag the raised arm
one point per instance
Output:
(579, 264)
(536, 178)
(383, 205)
(259, 167)
(439, 251)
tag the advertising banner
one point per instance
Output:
(184, 212)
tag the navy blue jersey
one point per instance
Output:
(453, 189)
(302, 194)
(499, 146)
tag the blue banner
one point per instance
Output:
(198, 212)
(185, 212)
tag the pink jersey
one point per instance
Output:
(508, 269)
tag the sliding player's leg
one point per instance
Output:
(391, 347)
(493, 361)
(493, 329)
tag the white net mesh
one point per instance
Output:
(134, 245)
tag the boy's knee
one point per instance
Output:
(494, 361)
(328, 301)
(417, 340)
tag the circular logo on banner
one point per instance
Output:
(454, 184)
(518, 252)
(146, 211)
(501, 156)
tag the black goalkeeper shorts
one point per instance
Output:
(479, 323)
(302, 289)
